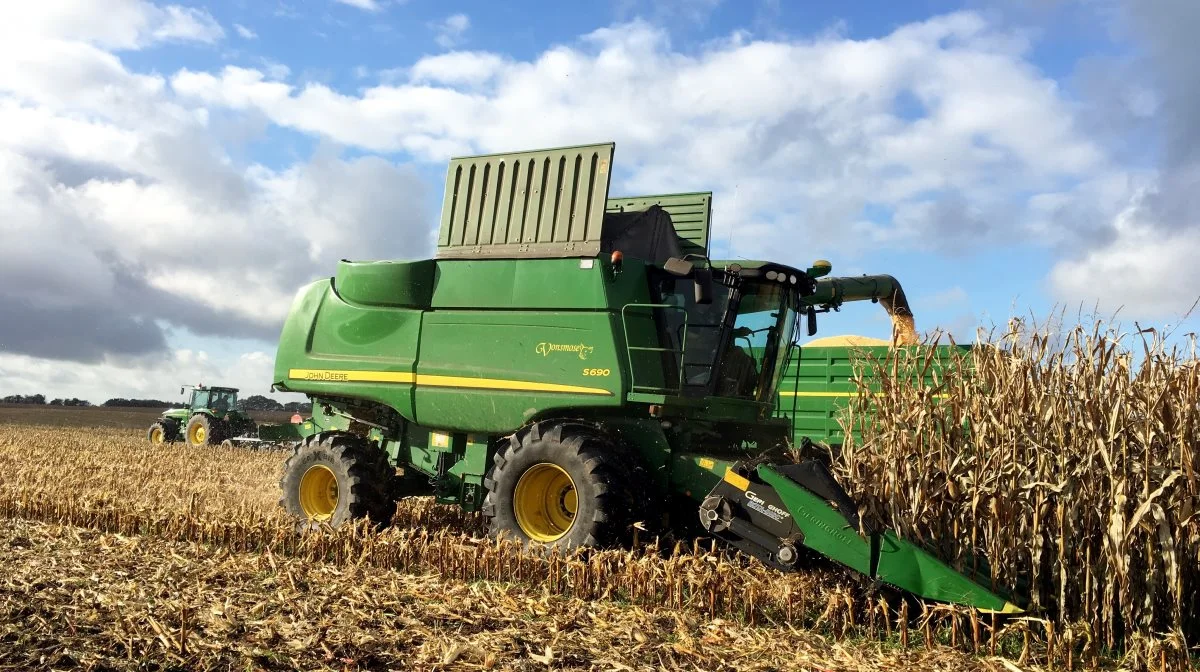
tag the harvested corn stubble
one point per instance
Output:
(74, 598)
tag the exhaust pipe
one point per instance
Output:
(884, 289)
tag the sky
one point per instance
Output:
(171, 174)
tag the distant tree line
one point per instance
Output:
(255, 402)
(136, 403)
(70, 402)
(40, 399)
(24, 399)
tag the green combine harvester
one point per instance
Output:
(572, 365)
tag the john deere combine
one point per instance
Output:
(569, 365)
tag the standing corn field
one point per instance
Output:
(1069, 465)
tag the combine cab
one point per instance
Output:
(573, 366)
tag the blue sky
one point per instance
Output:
(208, 158)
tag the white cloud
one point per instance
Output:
(367, 5)
(123, 211)
(796, 137)
(244, 32)
(1146, 269)
(188, 24)
(943, 125)
(450, 31)
(458, 67)
(114, 24)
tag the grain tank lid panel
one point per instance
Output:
(540, 204)
(690, 214)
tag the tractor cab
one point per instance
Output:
(212, 399)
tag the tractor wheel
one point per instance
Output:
(559, 485)
(334, 478)
(202, 431)
(157, 434)
(227, 445)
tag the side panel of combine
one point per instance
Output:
(475, 345)
(507, 341)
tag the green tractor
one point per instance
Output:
(210, 417)
(573, 367)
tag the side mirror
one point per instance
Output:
(703, 286)
(812, 321)
(678, 267)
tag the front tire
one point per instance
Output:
(331, 479)
(559, 485)
(202, 431)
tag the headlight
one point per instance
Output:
(771, 275)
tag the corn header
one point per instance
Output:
(570, 365)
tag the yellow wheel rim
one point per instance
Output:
(318, 493)
(545, 502)
(197, 434)
(156, 435)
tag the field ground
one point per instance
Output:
(120, 555)
(79, 598)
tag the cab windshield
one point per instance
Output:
(762, 332)
(743, 361)
(217, 400)
(222, 400)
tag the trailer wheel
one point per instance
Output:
(333, 478)
(558, 485)
(157, 434)
(202, 431)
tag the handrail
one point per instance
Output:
(653, 389)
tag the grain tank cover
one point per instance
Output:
(554, 203)
(540, 204)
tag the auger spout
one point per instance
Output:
(833, 292)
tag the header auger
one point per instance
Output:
(570, 364)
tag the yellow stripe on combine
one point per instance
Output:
(345, 376)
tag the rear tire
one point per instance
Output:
(334, 478)
(559, 485)
(157, 434)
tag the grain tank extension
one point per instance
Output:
(570, 365)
